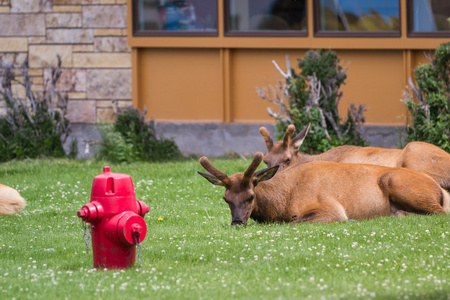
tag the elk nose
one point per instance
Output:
(235, 223)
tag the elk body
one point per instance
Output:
(418, 156)
(325, 192)
(10, 201)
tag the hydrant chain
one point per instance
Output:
(87, 235)
(138, 244)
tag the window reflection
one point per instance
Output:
(359, 15)
(267, 15)
(431, 15)
(176, 15)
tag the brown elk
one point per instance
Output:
(418, 156)
(325, 192)
(10, 201)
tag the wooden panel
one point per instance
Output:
(180, 84)
(377, 79)
(251, 69)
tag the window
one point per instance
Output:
(357, 18)
(175, 17)
(429, 18)
(265, 17)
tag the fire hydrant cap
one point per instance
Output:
(131, 227)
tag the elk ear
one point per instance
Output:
(212, 178)
(264, 174)
(299, 138)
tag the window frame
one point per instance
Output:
(410, 25)
(167, 33)
(337, 33)
(260, 33)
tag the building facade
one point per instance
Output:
(195, 65)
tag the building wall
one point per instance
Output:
(91, 38)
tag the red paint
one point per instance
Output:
(116, 219)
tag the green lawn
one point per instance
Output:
(193, 253)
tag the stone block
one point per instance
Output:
(108, 84)
(35, 72)
(83, 48)
(105, 115)
(81, 111)
(107, 32)
(111, 44)
(37, 40)
(14, 44)
(67, 8)
(71, 80)
(55, 20)
(104, 104)
(44, 56)
(74, 2)
(18, 91)
(76, 95)
(16, 58)
(22, 24)
(38, 80)
(70, 36)
(102, 60)
(105, 16)
(33, 6)
(3, 111)
(5, 10)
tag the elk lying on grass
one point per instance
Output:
(325, 192)
(10, 201)
(418, 156)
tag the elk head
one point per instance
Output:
(283, 153)
(240, 192)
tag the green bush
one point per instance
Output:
(35, 126)
(312, 96)
(429, 101)
(131, 139)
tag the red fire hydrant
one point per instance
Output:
(116, 217)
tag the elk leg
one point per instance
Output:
(398, 212)
(413, 192)
(323, 212)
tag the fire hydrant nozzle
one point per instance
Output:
(143, 208)
(136, 230)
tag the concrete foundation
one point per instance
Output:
(218, 139)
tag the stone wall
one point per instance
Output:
(89, 35)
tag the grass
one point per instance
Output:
(191, 252)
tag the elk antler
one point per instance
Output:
(213, 170)
(255, 163)
(266, 136)
(287, 137)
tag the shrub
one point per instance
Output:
(312, 96)
(429, 101)
(35, 126)
(131, 139)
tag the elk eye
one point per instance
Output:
(288, 161)
(251, 198)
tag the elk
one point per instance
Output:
(325, 192)
(418, 156)
(10, 201)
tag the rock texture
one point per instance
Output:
(91, 38)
